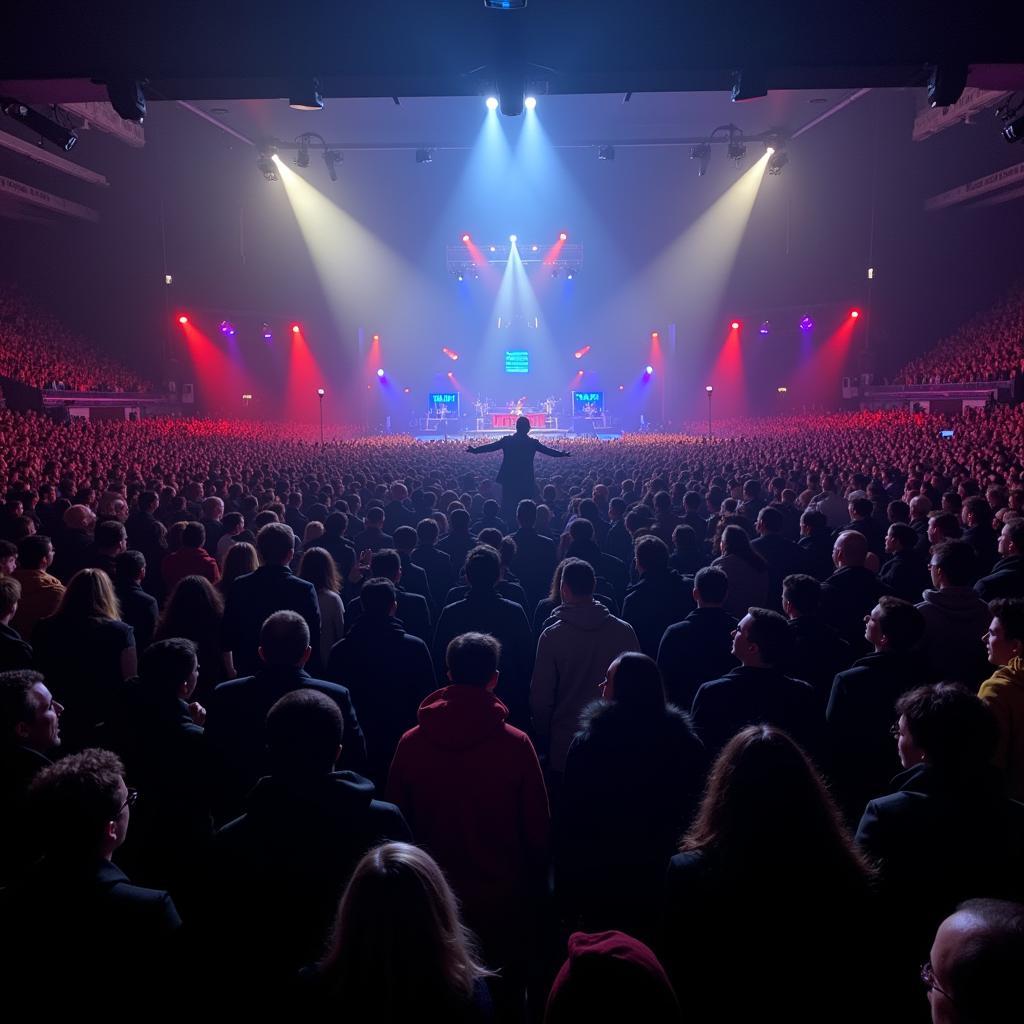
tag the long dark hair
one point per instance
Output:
(736, 542)
(766, 806)
(193, 611)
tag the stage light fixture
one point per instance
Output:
(777, 159)
(268, 334)
(168, 279)
(765, 327)
(562, 236)
(296, 329)
(702, 153)
(735, 325)
(1013, 130)
(459, 277)
(749, 84)
(321, 392)
(424, 156)
(782, 390)
(554, 271)
(854, 314)
(63, 138)
(806, 323)
(622, 387)
(406, 391)
(266, 162)
(302, 157)
(606, 153)
(504, 5)
(737, 148)
(530, 103)
(380, 372)
(332, 158)
(534, 248)
(491, 102)
(648, 369)
(376, 338)
(127, 99)
(306, 96)
(945, 84)
(227, 328)
(513, 239)
(182, 319)
(494, 248)
(570, 274)
(465, 238)
(708, 388)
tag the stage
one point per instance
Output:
(491, 434)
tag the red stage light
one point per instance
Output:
(465, 238)
(735, 325)
(296, 329)
(182, 319)
(562, 236)
(376, 337)
(854, 313)
(654, 335)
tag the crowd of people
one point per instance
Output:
(988, 347)
(37, 349)
(701, 730)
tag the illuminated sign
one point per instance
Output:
(444, 397)
(587, 403)
(517, 361)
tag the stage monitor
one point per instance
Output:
(444, 400)
(587, 403)
(517, 361)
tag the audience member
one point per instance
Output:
(852, 590)
(747, 572)
(1003, 691)
(535, 554)
(782, 557)
(40, 592)
(905, 572)
(659, 599)
(414, 579)
(1007, 576)
(138, 608)
(191, 559)
(15, 653)
(413, 609)
(318, 567)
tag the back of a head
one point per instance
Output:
(193, 536)
(374, 516)
(712, 584)
(765, 804)
(15, 701)
(10, 595)
(651, 554)
(73, 800)
(854, 548)
(638, 685)
(523, 425)
(901, 624)
(405, 538)
(89, 594)
(304, 730)
(386, 562)
(610, 976)
(472, 659)
(956, 731)
(904, 535)
(32, 550)
(275, 543)
(862, 507)
(582, 530)
(957, 561)
(335, 524)
(166, 664)
(526, 512)
(398, 937)
(378, 597)
(109, 534)
(983, 959)
(284, 639)
(803, 592)
(483, 567)
(427, 532)
(578, 578)
(129, 566)
(459, 520)
(815, 521)
(771, 519)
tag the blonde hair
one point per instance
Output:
(89, 595)
(398, 935)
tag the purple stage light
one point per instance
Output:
(806, 324)
(765, 328)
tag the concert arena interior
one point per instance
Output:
(513, 510)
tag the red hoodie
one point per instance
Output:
(471, 789)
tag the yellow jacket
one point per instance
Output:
(40, 595)
(1003, 692)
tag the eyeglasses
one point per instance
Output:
(133, 795)
(928, 977)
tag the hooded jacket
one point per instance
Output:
(956, 619)
(471, 789)
(1003, 692)
(578, 644)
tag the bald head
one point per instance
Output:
(850, 549)
(977, 962)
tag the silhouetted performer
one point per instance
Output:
(516, 473)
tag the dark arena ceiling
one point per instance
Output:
(198, 49)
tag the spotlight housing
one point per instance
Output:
(307, 96)
(1013, 130)
(648, 369)
(606, 153)
(765, 328)
(945, 84)
(268, 334)
(465, 237)
(737, 148)
(302, 157)
(513, 239)
(296, 329)
(702, 153)
(61, 137)
(227, 328)
(735, 325)
(424, 156)
(709, 388)
(182, 319)
(380, 372)
(127, 99)
(530, 103)
(491, 102)
(806, 323)
(777, 159)
(562, 236)
(749, 84)
(332, 158)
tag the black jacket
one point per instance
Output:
(90, 920)
(139, 610)
(397, 514)
(438, 568)
(15, 653)
(486, 612)
(506, 588)
(19, 765)
(749, 696)
(630, 788)
(983, 540)
(1005, 580)
(658, 601)
(235, 728)
(415, 581)
(619, 543)
(906, 575)
(253, 598)
(861, 711)
(817, 556)
(940, 840)
(819, 652)
(388, 672)
(456, 546)
(784, 557)
(846, 597)
(278, 871)
(534, 563)
(695, 650)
